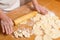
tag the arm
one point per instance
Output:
(38, 7)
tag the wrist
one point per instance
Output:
(1, 15)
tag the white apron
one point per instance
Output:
(8, 5)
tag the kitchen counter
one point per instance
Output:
(53, 5)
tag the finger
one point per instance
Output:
(11, 29)
(6, 29)
(3, 30)
(38, 10)
(10, 26)
(11, 22)
(43, 11)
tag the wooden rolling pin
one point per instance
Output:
(25, 17)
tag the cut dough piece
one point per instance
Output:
(38, 38)
(20, 35)
(30, 23)
(16, 34)
(55, 18)
(48, 32)
(19, 31)
(54, 34)
(38, 24)
(46, 37)
(37, 30)
(36, 18)
(26, 34)
(55, 26)
(57, 22)
(46, 27)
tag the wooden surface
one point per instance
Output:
(53, 5)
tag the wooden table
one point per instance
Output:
(53, 5)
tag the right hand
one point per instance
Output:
(40, 9)
(6, 24)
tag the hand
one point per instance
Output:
(40, 9)
(6, 24)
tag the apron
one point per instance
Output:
(8, 5)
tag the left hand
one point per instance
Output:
(6, 24)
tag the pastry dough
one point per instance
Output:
(46, 37)
(46, 27)
(38, 38)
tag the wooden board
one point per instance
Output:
(53, 5)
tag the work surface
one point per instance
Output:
(53, 5)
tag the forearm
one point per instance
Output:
(0, 13)
(34, 2)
